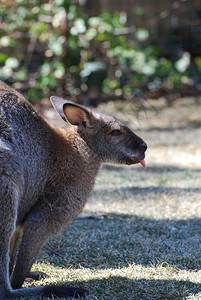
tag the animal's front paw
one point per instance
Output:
(36, 275)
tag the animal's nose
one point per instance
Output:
(143, 146)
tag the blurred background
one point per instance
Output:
(95, 51)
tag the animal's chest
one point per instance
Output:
(31, 190)
(27, 201)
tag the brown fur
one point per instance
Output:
(46, 176)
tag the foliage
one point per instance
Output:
(53, 46)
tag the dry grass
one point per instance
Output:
(148, 244)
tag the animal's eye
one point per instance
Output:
(115, 132)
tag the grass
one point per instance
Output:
(147, 243)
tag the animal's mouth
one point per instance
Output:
(134, 160)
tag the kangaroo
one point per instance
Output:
(46, 176)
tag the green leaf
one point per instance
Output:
(183, 63)
(142, 34)
(94, 21)
(140, 11)
(78, 27)
(38, 28)
(91, 67)
(21, 75)
(12, 63)
(5, 41)
(46, 69)
(3, 57)
(56, 45)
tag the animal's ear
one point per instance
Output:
(58, 104)
(74, 113)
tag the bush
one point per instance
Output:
(54, 47)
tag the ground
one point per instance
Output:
(144, 237)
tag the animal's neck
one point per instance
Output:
(75, 159)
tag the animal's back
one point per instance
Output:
(23, 149)
(16, 113)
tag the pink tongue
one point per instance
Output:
(143, 163)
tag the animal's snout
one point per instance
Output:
(143, 146)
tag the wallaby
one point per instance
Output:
(46, 176)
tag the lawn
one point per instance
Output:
(143, 239)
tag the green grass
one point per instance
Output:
(148, 245)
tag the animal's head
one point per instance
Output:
(109, 138)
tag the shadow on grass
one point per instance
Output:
(152, 169)
(123, 288)
(121, 240)
(134, 191)
(119, 288)
(169, 169)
